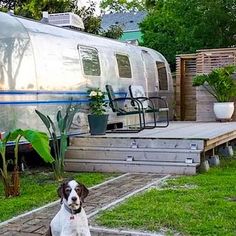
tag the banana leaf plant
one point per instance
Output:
(40, 143)
(59, 142)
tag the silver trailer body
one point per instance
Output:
(43, 66)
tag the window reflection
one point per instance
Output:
(123, 66)
(162, 75)
(90, 61)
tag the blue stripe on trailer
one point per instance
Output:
(19, 92)
(45, 102)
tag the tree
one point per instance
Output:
(183, 26)
(10, 4)
(122, 5)
(113, 32)
(92, 23)
(33, 8)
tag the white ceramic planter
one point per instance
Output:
(223, 110)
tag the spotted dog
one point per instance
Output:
(71, 220)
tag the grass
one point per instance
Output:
(39, 188)
(192, 205)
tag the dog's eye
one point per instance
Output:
(78, 190)
(68, 190)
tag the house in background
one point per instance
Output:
(129, 22)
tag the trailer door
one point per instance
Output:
(149, 73)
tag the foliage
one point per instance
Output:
(191, 205)
(188, 26)
(92, 23)
(39, 188)
(218, 83)
(97, 102)
(113, 32)
(34, 8)
(6, 5)
(122, 5)
(39, 142)
(59, 144)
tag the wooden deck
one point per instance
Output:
(159, 150)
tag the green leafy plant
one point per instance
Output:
(60, 143)
(38, 140)
(219, 83)
(97, 102)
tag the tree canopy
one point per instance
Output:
(34, 8)
(184, 26)
(122, 5)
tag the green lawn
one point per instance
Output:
(204, 204)
(39, 188)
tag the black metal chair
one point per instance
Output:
(122, 107)
(153, 105)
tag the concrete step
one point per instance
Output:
(127, 142)
(130, 166)
(137, 154)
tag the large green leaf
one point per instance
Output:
(43, 118)
(52, 124)
(59, 116)
(40, 143)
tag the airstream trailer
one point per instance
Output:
(43, 66)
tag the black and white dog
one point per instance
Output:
(71, 219)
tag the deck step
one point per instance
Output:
(130, 166)
(127, 142)
(137, 154)
(133, 154)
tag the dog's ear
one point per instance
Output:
(84, 192)
(60, 191)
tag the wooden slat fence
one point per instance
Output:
(195, 103)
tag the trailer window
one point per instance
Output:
(123, 66)
(162, 76)
(90, 61)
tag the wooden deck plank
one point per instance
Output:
(184, 130)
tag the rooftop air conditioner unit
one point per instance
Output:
(66, 19)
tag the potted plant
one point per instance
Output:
(222, 86)
(97, 118)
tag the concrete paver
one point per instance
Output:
(100, 197)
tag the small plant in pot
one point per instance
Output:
(221, 84)
(97, 118)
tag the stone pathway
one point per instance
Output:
(100, 198)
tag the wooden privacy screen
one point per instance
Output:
(194, 103)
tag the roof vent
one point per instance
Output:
(66, 19)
